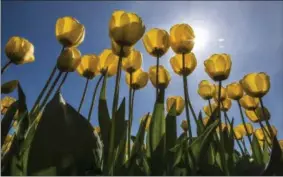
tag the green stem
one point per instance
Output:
(62, 82)
(245, 126)
(93, 97)
(114, 109)
(6, 67)
(129, 115)
(83, 97)
(157, 75)
(245, 147)
(49, 92)
(44, 89)
(265, 133)
(266, 121)
(222, 156)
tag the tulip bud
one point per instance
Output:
(69, 32)
(88, 66)
(234, 91)
(207, 110)
(139, 79)
(19, 50)
(182, 38)
(133, 62)
(190, 64)
(6, 102)
(226, 104)
(156, 42)
(256, 84)
(179, 103)
(206, 90)
(249, 102)
(121, 51)
(256, 115)
(218, 66)
(164, 77)
(223, 94)
(241, 128)
(108, 63)
(125, 28)
(69, 60)
(238, 134)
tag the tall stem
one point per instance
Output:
(62, 82)
(93, 97)
(157, 75)
(266, 121)
(245, 147)
(83, 97)
(129, 114)
(245, 126)
(6, 66)
(49, 92)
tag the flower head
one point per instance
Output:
(190, 64)
(206, 90)
(133, 62)
(234, 91)
(164, 77)
(179, 103)
(88, 66)
(139, 79)
(108, 63)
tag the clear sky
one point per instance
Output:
(251, 32)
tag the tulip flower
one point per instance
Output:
(234, 91)
(88, 66)
(108, 62)
(206, 90)
(256, 84)
(208, 111)
(133, 62)
(223, 126)
(259, 134)
(6, 102)
(249, 103)
(238, 134)
(186, 68)
(179, 101)
(223, 94)
(184, 125)
(19, 51)
(69, 32)
(139, 80)
(248, 131)
(182, 38)
(156, 42)
(118, 50)
(256, 115)
(163, 77)
(126, 28)
(226, 104)
(69, 60)
(205, 120)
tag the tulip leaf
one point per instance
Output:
(9, 86)
(275, 164)
(72, 137)
(245, 167)
(104, 120)
(200, 124)
(229, 144)
(257, 154)
(120, 123)
(266, 155)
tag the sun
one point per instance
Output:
(201, 38)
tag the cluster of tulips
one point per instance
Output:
(125, 30)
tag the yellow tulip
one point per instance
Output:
(69, 32)
(223, 94)
(147, 122)
(133, 62)
(281, 144)
(164, 77)
(238, 134)
(207, 110)
(249, 102)
(226, 104)
(179, 101)
(182, 38)
(234, 91)
(206, 90)
(218, 66)
(69, 60)
(259, 134)
(108, 63)
(126, 28)
(88, 66)
(223, 127)
(256, 115)
(121, 51)
(6, 102)
(19, 50)
(205, 121)
(139, 79)
(256, 84)
(241, 128)
(190, 62)
(184, 125)
(156, 42)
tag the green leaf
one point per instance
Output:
(71, 135)
(245, 167)
(229, 145)
(257, 154)
(266, 155)
(9, 86)
(275, 164)
(120, 123)
(200, 125)
(104, 121)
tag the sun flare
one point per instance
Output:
(201, 38)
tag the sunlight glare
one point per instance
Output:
(201, 38)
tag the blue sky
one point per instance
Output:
(251, 32)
